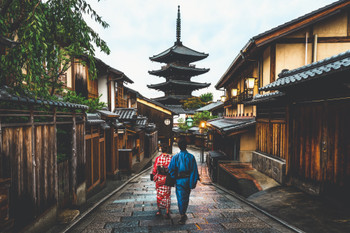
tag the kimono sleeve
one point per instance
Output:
(194, 174)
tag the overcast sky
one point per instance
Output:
(140, 29)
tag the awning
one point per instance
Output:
(231, 126)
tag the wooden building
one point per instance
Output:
(309, 38)
(132, 151)
(307, 122)
(160, 115)
(178, 71)
(111, 86)
(42, 160)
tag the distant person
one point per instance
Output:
(183, 167)
(160, 170)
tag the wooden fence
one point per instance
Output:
(151, 143)
(28, 156)
(95, 157)
(271, 134)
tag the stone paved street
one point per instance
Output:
(211, 210)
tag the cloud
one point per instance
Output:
(140, 29)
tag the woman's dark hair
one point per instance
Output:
(164, 147)
(182, 143)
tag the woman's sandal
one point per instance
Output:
(158, 213)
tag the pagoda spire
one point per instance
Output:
(178, 27)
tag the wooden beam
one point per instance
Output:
(272, 63)
(298, 25)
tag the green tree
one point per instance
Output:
(207, 97)
(93, 103)
(193, 103)
(49, 33)
(202, 116)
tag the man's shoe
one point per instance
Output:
(182, 220)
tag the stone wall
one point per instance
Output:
(272, 167)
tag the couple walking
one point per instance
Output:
(183, 168)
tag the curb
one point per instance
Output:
(83, 215)
(241, 198)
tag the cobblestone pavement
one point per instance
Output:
(210, 210)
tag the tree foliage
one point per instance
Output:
(49, 33)
(93, 103)
(193, 103)
(206, 97)
(197, 119)
(202, 116)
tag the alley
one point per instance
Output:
(133, 209)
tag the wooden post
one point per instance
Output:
(73, 177)
(84, 145)
(55, 154)
(33, 156)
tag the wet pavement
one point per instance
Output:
(312, 214)
(211, 209)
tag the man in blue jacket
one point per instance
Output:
(183, 167)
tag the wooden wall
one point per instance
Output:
(165, 133)
(28, 156)
(321, 149)
(31, 169)
(271, 131)
(95, 157)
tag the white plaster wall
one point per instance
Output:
(325, 50)
(102, 89)
(113, 93)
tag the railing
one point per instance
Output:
(245, 96)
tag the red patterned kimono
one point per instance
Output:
(163, 191)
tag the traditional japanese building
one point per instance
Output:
(178, 71)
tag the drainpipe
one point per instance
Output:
(315, 48)
(306, 39)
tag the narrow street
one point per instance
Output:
(211, 209)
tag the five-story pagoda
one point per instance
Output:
(178, 71)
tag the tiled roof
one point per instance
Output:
(141, 121)
(265, 98)
(179, 50)
(211, 106)
(171, 69)
(120, 75)
(229, 125)
(174, 97)
(182, 83)
(178, 109)
(95, 119)
(154, 102)
(6, 95)
(107, 113)
(126, 113)
(309, 72)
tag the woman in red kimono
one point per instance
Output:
(160, 169)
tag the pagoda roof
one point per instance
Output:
(179, 52)
(172, 69)
(171, 99)
(179, 83)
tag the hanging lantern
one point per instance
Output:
(250, 82)
(189, 122)
(234, 92)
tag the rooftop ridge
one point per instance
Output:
(322, 62)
